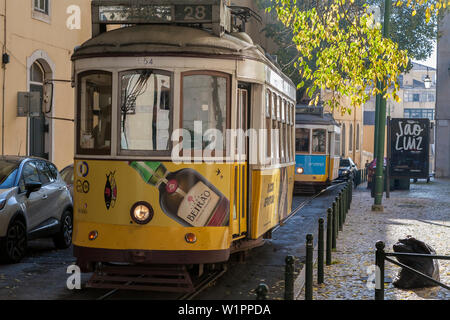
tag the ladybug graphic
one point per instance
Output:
(110, 190)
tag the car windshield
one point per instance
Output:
(67, 175)
(8, 171)
(344, 163)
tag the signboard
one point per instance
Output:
(409, 148)
(186, 12)
(132, 14)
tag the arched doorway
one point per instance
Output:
(40, 129)
(39, 126)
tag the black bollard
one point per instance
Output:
(261, 291)
(335, 221)
(379, 269)
(341, 209)
(320, 253)
(309, 267)
(289, 278)
(329, 236)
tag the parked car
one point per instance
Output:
(34, 203)
(67, 176)
(347, 168)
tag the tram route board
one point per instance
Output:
(138, 12)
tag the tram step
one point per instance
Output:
(161, 278)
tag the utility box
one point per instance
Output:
(29, 104)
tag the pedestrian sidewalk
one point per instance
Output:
(422, 212)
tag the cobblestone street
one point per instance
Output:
(422, 212)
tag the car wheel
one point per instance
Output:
(14, 245)
(63, 239)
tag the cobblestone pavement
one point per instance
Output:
(423, 212)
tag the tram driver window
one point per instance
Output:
(145, 110)
(204, 105)
(319, 141)
(302, 140)
(94, 113)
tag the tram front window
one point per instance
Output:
(94, 113)
(319, 140)
(145, 109)
(205, 100)
(302, 137)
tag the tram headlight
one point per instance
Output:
(142, 212)
(300, 170)
(190, 238)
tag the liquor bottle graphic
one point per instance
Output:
(185, 195)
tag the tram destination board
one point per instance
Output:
(140, 12)
(409, 148)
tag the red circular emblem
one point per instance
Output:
(172, 186)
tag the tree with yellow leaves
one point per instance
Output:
(351, 55)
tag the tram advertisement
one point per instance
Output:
(409, 147)
(191, 198)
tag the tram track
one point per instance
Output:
(209, 280)
(306, 202)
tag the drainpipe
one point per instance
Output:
(4, 81)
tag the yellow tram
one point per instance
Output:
(184, 140)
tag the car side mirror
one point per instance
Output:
(31, 187)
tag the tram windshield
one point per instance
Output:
(319, 141)
(94, 113)
(145, 109)
(302, 139)
(205, 99)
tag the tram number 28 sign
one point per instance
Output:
(150, 13)
(410, 145)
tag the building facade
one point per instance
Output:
(443, 100)
(38, 38)
(417, 101)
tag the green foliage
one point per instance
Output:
(340, 47)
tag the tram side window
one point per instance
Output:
(269, 123)
(94, 113)
(205, 102)
(319, 141)
(145, 110)
(302, 140)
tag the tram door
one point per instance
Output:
(241, 164)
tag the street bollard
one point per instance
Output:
(329, 236)
(341, 209)
(320, 253)
(309, 267)
(379, 271)
(345, 197)
(289, 278)
(334, 224)
(261, 291)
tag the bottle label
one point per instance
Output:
(198, 205)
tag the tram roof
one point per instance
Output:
(309, 118)
(171, 40)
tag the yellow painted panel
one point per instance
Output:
(134, 237)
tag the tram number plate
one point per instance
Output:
(198, 13)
